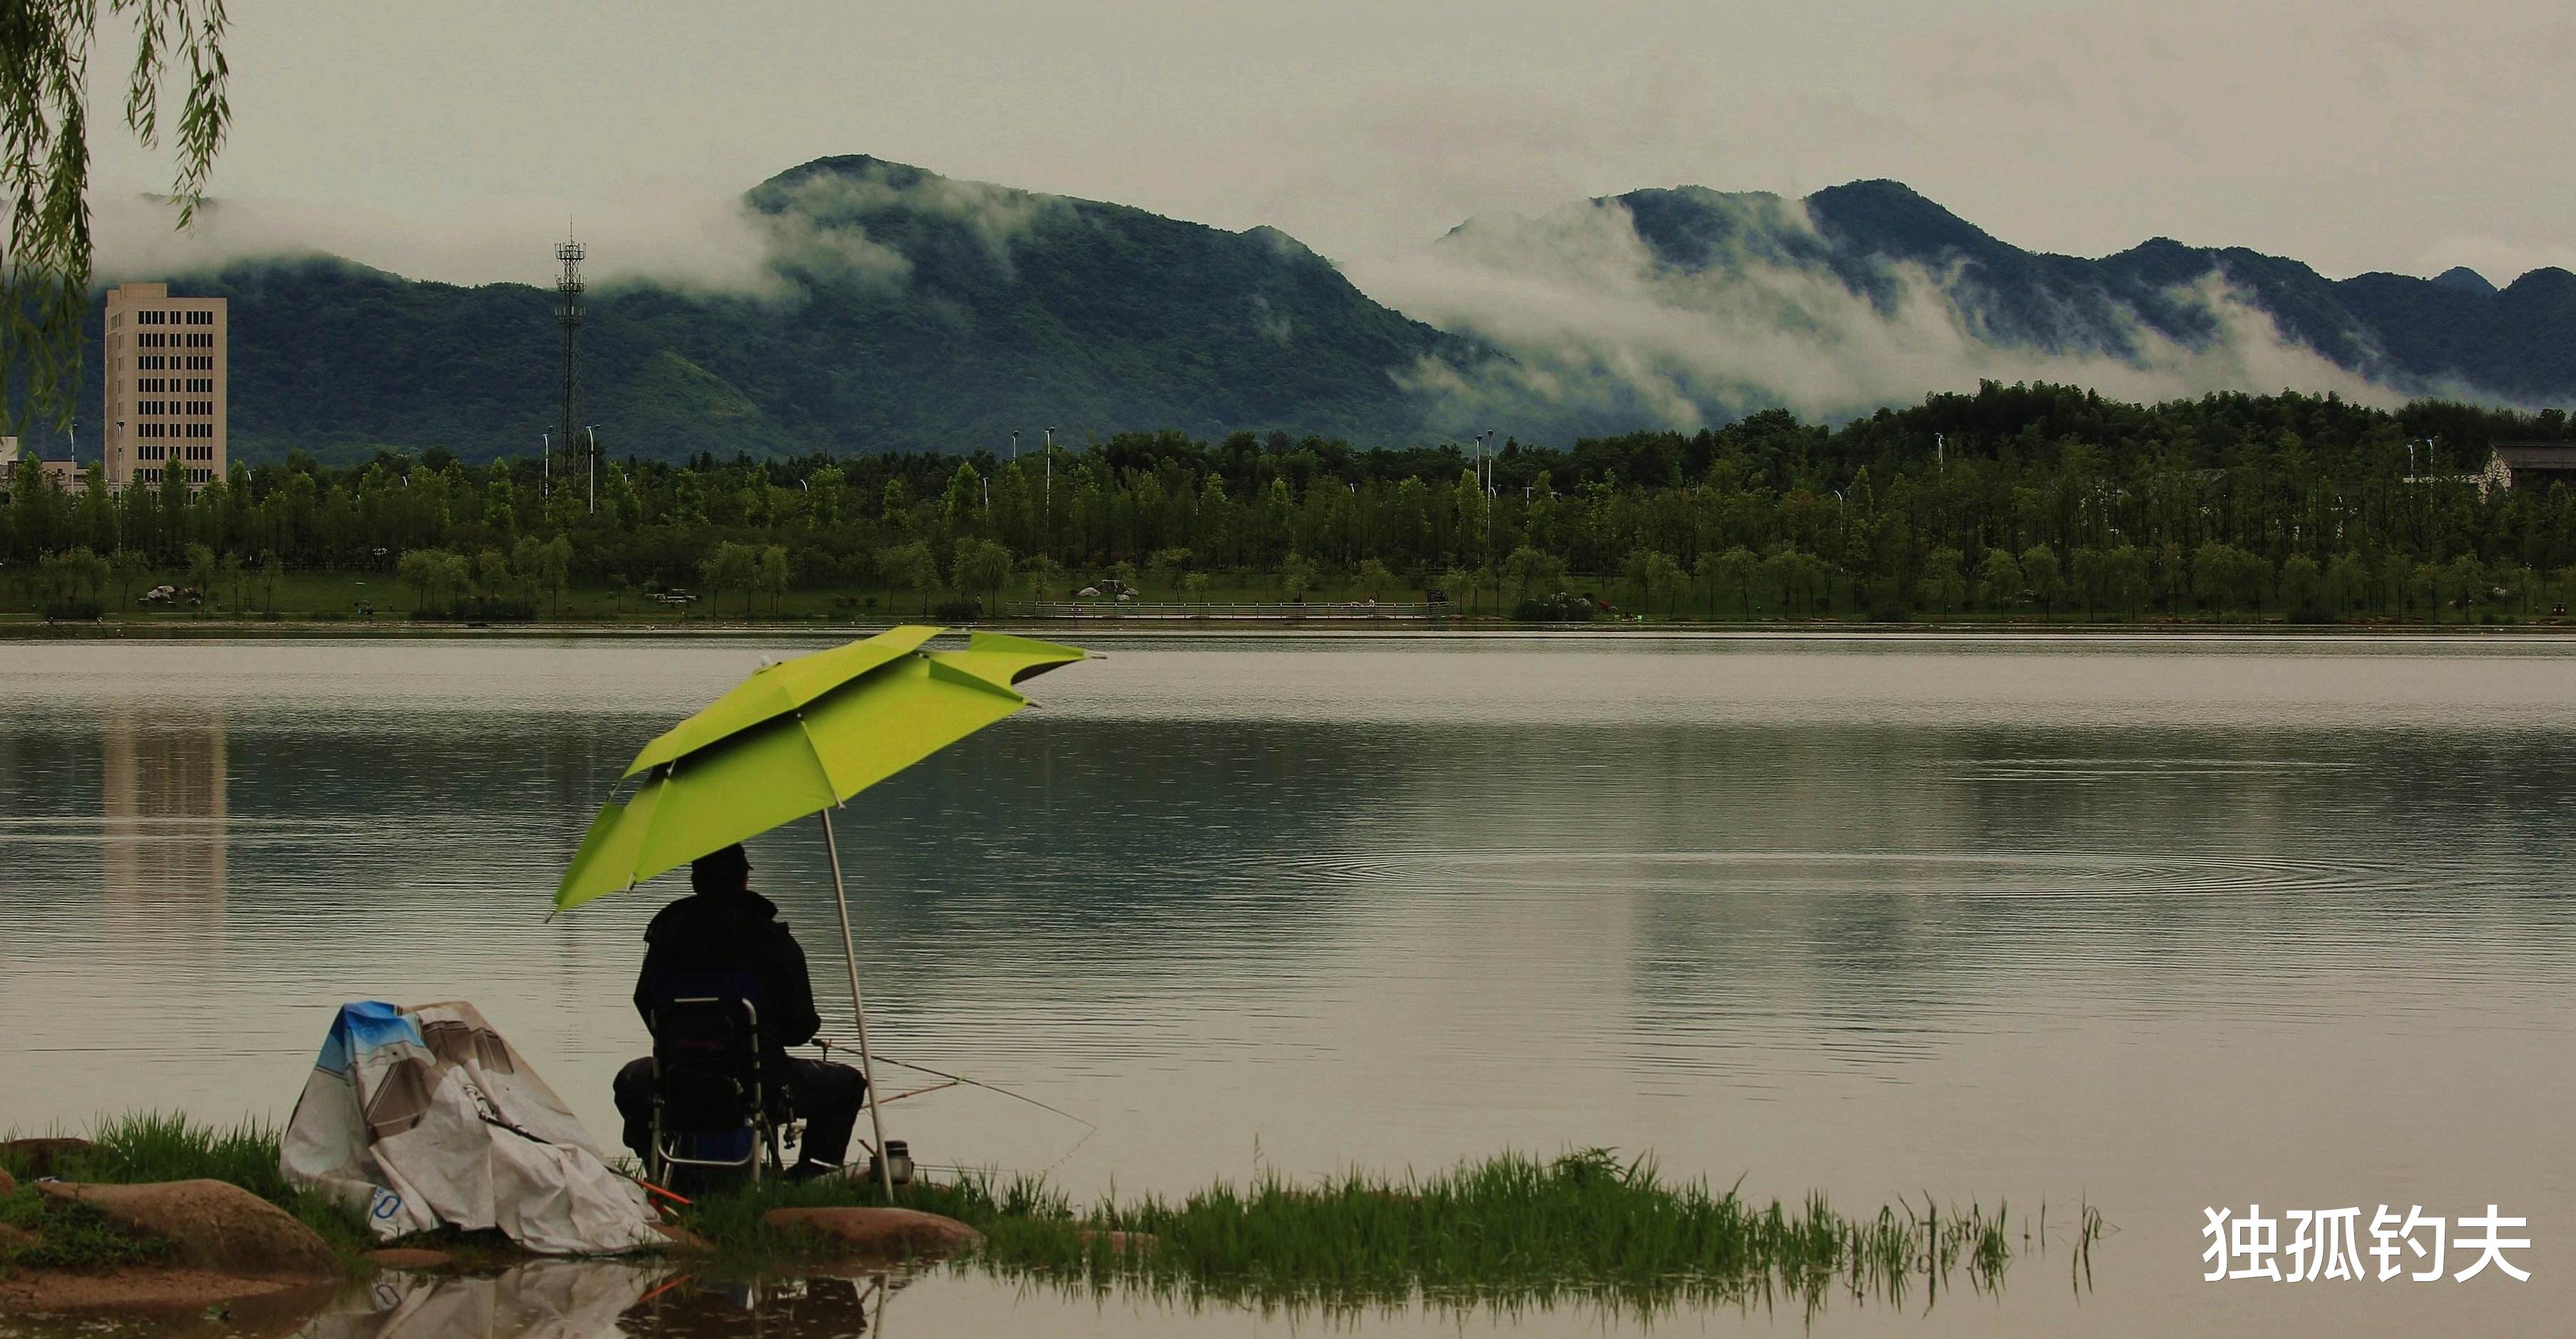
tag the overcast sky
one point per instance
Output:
(452, 139)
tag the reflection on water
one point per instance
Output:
(563, 1299)
(2155, 924)
(162, 786)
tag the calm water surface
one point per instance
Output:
(2149, 924)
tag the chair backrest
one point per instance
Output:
(707, 1053)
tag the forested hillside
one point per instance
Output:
(897, 310)
(891, 309)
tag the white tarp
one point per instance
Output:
(425, 1116)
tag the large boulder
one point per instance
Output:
(887, 1233)
(213, 1224)
(38, 1155)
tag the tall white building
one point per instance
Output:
(165, 386)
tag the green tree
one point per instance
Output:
(201, 575)
(128, 567)
(1374, 579)
(984, 567)
(1457, 585)
(2347, 584)
(2088, 576)
(236, 573)
(1528, 570)
(72, 574)
(173, 508)
(549, 567)
(501, 508)
(1045, 577)
(1167, 565)
(2039, 572)
(2464, 579)
(770, 574)
(910, 567)
(2302, 586)
(2124, 570)
(422, 570)
(825, 490)
(1734, 569)
(1296, 575)
(730, 566)
(1941, 584)
(1658, 571)
(1999, 580)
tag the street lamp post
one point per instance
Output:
(1492, 472)
(593, 429)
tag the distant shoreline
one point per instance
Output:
(26, 629)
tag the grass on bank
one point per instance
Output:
(159, 1146)
(1504, 1231)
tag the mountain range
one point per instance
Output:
(902, 310)
(2455, 333)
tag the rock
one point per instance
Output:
(214, 1224)
(38, 1155)
(8, 1183)
(682, 1239)
(880, 1232)
(1119, 1243)
(411, 1257)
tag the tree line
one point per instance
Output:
(2029, 501)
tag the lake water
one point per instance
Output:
(2146, 924)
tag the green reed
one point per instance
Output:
(1505, 1232)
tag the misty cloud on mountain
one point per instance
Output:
(1741, 302)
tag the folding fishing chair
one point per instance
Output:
(716, 1106)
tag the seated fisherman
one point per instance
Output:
(726, 927)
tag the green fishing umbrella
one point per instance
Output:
(801, 737)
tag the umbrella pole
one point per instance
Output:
(850, 955)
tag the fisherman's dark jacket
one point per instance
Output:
(732, 932)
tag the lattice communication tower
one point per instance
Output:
(568, 315)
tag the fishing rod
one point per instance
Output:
(826, 1044)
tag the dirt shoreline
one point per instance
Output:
(141, 1288)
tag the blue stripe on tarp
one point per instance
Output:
(364, 1025)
